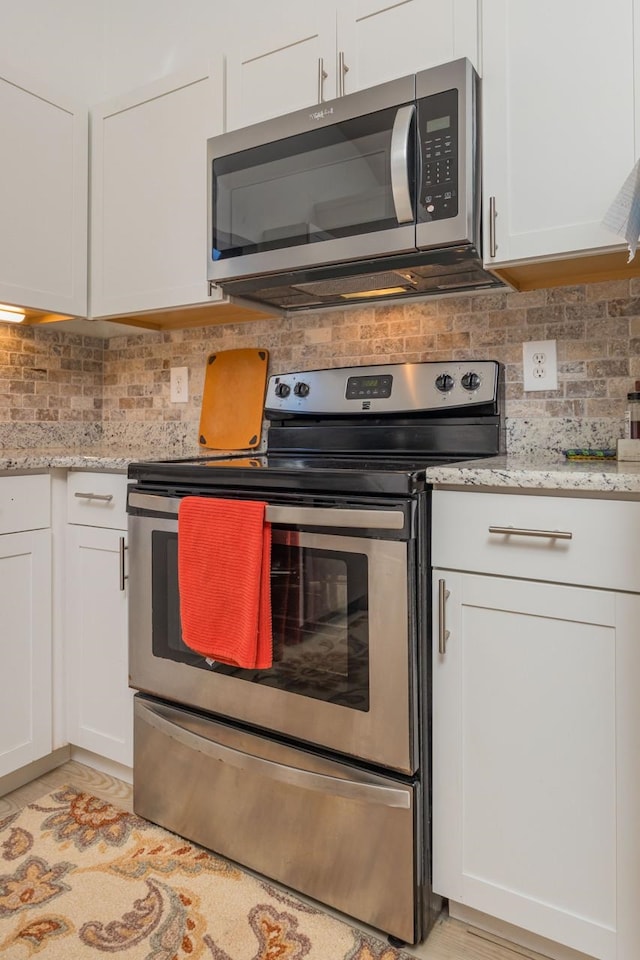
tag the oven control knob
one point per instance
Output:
(282, 389)
(444, 382)
(470, 381)
(301, 389)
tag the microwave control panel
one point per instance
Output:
(438, 143)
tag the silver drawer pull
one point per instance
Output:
(523, 532)
(124, 576)
(443, 633)
(107, 497)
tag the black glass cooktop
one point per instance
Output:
(317, 473)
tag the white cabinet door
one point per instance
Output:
(536, 744)
(149, 194)
(558, 122)
(25, 645)
(100, 703)
(382, 40)
(43, 199)
(279, 65)
(324, 50)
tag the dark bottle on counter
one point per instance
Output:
(633, 413)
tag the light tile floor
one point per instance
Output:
(449, 939)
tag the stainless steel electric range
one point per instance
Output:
(314, 772)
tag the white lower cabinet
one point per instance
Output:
(99, 701)
(536, 727)
(25, 645)
(26, 632)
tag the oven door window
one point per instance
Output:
(320, 620)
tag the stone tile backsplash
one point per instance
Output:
(58, 388)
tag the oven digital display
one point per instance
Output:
(366, 387)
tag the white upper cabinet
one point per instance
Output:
(149, 194)
(43, 199)
(558, 123)
(285, 62)
(328, 50)
(381, 40)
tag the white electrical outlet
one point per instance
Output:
(179, 384)
(540, 365)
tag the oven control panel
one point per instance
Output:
(385, 388)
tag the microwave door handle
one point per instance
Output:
(400, 186)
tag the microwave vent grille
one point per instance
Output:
(346, 285)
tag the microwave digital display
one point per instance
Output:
(440, 123)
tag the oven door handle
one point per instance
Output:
(168, 722)
(351, 518)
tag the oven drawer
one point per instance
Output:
(562, 539)
(316, 825)
(97, 499)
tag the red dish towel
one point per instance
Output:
(224, 561)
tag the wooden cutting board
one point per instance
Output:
(233, 399)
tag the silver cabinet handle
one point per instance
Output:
(400, 188)
(107, 497)
(322, 76)
(443, 633)
(123, 575)
(493, 246)
(523, 532)
(343, 70)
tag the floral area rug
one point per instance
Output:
(80, 878)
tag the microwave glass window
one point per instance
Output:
(328, 183)
(320, 620)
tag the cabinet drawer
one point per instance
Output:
(25, 503)
(97, 499)
(596, 542)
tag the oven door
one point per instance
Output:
(343, 676)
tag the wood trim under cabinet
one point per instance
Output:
(595, 268)
(177, 318)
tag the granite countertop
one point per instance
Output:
(99, 457)
(596, 476)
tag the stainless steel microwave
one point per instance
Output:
(375, 194)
